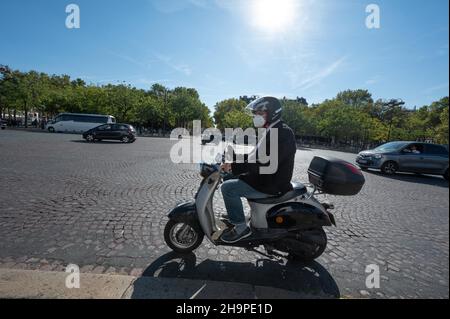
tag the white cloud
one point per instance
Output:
(171, 6)
(148, 82)
(232, 5)
(373, 80)
(315, 77)
(178, 67)
(130, 59)
(439, 87)
(199, 3)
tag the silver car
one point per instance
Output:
(412, 157)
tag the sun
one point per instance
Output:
(273, 16)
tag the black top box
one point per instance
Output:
(335, 176)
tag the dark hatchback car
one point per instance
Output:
(119, 132)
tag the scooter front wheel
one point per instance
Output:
(183, 237)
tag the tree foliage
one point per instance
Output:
(353, 116)
(237, 106)
(158, 108)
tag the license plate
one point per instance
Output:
(362, 161)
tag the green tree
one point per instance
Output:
(238, 119)
(355, 98)
(30, 90)
(296, 114)
(186, 106)
(442, 129)
(148, 112)
(393, 115)
(352, 116)
(224, 107)
(8, 93)
(343, 123)
(122, 101)
(163, 95)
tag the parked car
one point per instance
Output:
(3, 124)
(120, 132)
(412, 157)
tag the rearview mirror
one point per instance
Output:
(219, 158)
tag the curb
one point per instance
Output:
(31, 284)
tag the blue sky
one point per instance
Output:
(228, 48)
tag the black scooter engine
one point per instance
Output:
(297, 216)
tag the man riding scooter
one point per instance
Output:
(253, 183)
(285, 218)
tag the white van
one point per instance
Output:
(78, 123)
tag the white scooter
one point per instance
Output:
(290, 226)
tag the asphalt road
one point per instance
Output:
(103, 207)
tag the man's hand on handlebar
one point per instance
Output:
(226, 167)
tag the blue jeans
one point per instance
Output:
(232, 191)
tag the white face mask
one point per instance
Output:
(259, 121)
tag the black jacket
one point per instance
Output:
(276, 184)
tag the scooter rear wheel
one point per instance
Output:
(311, 249)
(183, 238)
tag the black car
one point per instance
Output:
(119, 132)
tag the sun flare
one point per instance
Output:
(273, 16)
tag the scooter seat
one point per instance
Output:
(298, 189)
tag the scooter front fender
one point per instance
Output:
(185, 213)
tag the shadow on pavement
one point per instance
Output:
(305, 279)
(324, 148)
(433, 180)
(28, 130)
(97, 142)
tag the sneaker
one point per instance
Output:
(233, 236)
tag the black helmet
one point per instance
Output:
(268, 104)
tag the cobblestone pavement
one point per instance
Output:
(103, 207)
